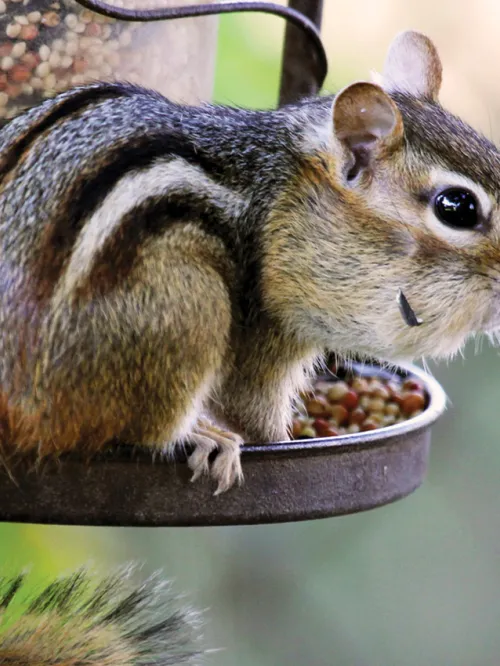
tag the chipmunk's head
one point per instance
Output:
(413, 205)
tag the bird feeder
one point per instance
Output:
(48, 46)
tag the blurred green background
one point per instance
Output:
(414, 583)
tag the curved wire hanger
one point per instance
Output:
(170, 13)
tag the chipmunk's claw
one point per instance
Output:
(226, 468)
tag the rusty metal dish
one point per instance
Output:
(290, 481)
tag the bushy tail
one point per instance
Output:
(78, 620)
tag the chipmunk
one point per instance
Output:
(173, 274)
(78, 619)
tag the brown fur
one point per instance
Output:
(77, 418)
(77, 620)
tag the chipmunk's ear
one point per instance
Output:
(413, 66)
(367, 123)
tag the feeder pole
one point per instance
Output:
(298, 74)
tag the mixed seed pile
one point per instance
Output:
(47, 46)
(357, 403)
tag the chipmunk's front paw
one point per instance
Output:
(226, 468)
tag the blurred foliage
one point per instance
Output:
(414, 583)
(248, 68)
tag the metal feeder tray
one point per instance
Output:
(298, 480)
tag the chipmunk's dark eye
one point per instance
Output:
(457, 208)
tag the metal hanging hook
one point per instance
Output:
(189, 11)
